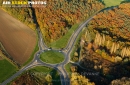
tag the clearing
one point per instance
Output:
(110, 3)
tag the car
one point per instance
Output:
(60, 51)
(49, 48)
(38, 54)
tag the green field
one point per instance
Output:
(62, 42)
(52, 57)
(6, 70)
(110, 3)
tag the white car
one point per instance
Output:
(37, 54)
(49, 49)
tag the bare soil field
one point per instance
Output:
(18, 39)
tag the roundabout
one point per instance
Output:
(52, 58)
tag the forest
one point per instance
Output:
(58, 16)
(105, 46)
(112, 30)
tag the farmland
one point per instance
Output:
(18, 39)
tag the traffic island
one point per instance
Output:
(52, 57)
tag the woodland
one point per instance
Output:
(105, 46)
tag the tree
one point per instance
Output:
(48, 78)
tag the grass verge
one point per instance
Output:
(41, 69)
(62, 42)
(52, 57)
(67, 68)
(7, 69)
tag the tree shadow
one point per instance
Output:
(102, 1)
(125, 1)
(55, 77)
(34, 15)
(107, 73)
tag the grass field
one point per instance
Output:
(52, 57)
(62, 42)
(110, 3)
(6, 70)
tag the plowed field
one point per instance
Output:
(18, 39)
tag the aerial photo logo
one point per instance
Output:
(14, 3)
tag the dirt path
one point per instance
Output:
(18, 39)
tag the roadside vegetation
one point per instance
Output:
(52, 57)
(39, 75)
(74, 55)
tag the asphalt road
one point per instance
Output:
(60, 66)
